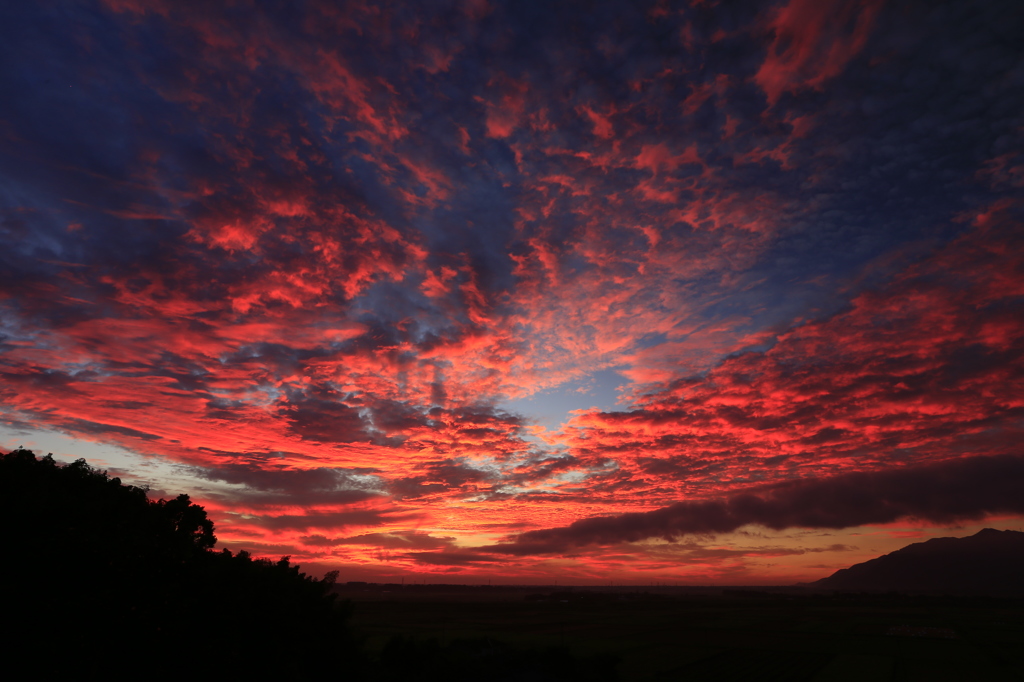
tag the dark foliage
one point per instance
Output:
(97, 579)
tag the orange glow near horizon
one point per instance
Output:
(451, 297)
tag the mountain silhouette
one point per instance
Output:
(989, 562)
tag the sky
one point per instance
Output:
(588, 292)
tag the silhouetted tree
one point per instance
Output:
(98, 577)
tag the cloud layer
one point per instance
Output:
(939, 493)
(318, 261)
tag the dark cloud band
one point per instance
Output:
(941, 493)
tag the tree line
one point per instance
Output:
(99, 580)
(98, 577)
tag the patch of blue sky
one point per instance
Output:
(134, 468)
(164, 477)
(552, 407)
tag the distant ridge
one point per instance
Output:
(989, 562)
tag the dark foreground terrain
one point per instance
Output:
(679, 634)
(100, 581)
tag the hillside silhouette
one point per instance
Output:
(990, 562)
(98, 578)
(100, 581)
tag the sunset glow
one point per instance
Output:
(707, 292)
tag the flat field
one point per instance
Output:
(695, 634)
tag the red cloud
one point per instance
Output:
(313, 271)
(929, 367)
(813, 41)
(506, 110)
